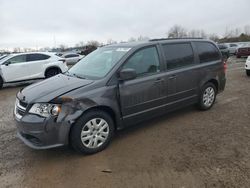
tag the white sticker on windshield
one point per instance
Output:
(123, 49)
(107, 52)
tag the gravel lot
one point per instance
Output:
(187, 148)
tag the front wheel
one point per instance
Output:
(92, 132)
(248, 72)
(207, 97)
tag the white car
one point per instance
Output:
(72, 58)
(29, 66)
(232, 48)
(247, 66)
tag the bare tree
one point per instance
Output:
(111, 41)
(197, 33)
(17, 50)
(177, 31)
(214, 37)
(93, 43)
(247, 29)
(131, 39)
(142, 38)
(62, 47)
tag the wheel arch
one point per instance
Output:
(215, 82)
(52, 67)
(211, 80)
(104, 108)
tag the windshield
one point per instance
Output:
(98, 63)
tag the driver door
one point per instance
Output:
(15, 69)
(143, 96)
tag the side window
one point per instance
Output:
(37, 57)
(71, 55)
(145, 61)
(207, 52)
(178, 55)
(17, 59)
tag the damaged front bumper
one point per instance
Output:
(43, 133)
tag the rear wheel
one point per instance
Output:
(52, 72)
(248, 72)
(92, 132)
(1, 82)
(207, 97)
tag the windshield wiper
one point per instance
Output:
(77, 76)
(74, 75)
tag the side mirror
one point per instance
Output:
(127, 74)
(7, 63)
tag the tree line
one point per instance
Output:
(230, 35)
(176, 31)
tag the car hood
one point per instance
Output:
(51, 88)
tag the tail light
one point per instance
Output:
(224, 66)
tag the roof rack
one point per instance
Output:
(174, 38)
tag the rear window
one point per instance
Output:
(71, 55)
(37, 57)
(178, 55)
(207, 52)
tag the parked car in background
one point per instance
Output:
(232, 47)
(224, 50)
(29, 66)
(243, 51)
(72, 58)
(247, 66)
(116, 86)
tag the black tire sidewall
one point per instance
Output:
(47, 73)
(201, 103)
(1, 82)
(248, 72)
(75, 133)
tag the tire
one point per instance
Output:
(207, 97)
(248, 72)
(1, 82)
(52, 72)
(86, 138)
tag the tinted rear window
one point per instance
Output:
(71, 55)
(37, 57)
(207, 52)
(178, 55)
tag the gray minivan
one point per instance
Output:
(116, 86)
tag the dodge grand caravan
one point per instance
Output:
(116, 86)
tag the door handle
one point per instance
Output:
(159, 80)
(172, 76)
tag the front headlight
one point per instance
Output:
(45, 109)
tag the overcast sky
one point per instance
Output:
(40, 23)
